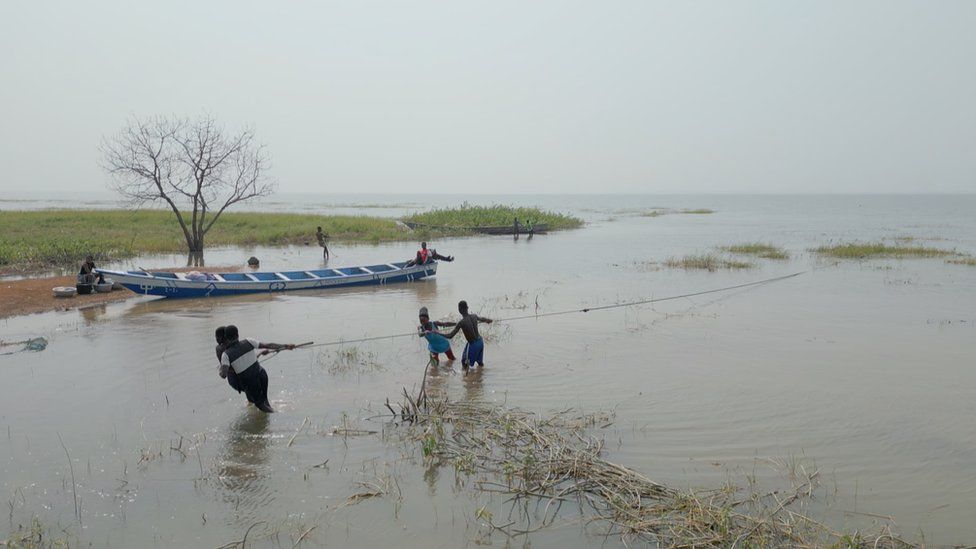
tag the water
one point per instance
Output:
(863, 370)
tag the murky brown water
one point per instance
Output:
(863, 370)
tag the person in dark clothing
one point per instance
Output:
(87, 274)
(425, 255)
(474, 349)
(221, 338)
(241, 356)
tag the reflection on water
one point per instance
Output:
(242, 466)
(865, 367)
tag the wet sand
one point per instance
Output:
(34, 295)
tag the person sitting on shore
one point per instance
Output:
(87, 274)
(425, 256)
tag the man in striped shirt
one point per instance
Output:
(241, 357)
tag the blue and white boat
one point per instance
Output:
(218, 284)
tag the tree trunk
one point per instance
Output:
(195, 259)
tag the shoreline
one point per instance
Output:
(29, 296)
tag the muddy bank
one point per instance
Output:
(33, 295)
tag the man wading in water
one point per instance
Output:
(474, 350)
(321, 238)
(241, 357)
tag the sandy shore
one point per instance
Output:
(33, 295)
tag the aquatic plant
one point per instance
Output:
(759, 249)
(554, 459)
(864, 250)
(657, 212)
(467, 215)
(969, 261)
(709, 262)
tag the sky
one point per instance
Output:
(509, 96)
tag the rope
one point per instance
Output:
(651, 300)
(571, 311)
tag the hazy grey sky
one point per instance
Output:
(506, 96)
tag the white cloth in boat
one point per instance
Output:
(240, 356)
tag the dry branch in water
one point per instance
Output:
(557, 459)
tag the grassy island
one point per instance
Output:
(492, 216)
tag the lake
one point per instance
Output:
(863, 370)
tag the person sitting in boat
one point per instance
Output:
(436, 343)
(425, 256)
(87, 274)
(241, 356)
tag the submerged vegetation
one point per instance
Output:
(865, 250)
(657, 212)
(969, 261)
(709, 262)
(468, 215)
(759, 249)
(537, 464)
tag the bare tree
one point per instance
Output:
(191, 166)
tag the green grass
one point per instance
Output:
(709, 262)
(759, 249)
(657, 212)
(968, 261)
(485, 216)
(865, 250)
(49, 238)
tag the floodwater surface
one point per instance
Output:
(861, 369)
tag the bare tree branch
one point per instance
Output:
(191, 166)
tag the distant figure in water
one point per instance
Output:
(241, 357)
(515, 228)
(87, 274)
(253, 262)
(321, 238)
(436, 343)
(474, 349)
(425, 256)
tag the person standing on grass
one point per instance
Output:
(241, 357)
(474, 349)
(321, 236)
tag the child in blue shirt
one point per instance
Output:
(436, 343)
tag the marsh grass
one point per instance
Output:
(657, 212)
(538, 463)
(708, 262)
(968, 261)
(48, 238)
(36, 535)
(468, 215)
(759, 249)
(866, 250)
(350, 359)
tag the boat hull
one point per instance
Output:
(174, 286)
